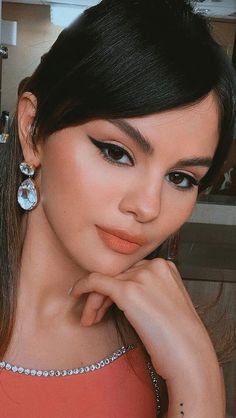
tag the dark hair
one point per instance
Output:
(22, 85)
(120, 59)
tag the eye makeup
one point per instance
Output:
(182, 180)
(114, 154)
(117, 155)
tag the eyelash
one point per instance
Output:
(192, 182)
(103, 147)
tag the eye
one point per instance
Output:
(182, 180)
(112, 153)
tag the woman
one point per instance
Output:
(126, 118)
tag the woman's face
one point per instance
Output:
(113, 191)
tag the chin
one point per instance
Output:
(111, 269)
(110, 265)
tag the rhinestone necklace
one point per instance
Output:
(67, 372)
(90, 368)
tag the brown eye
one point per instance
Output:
(176, 178)
(182, 181)
(115, 153)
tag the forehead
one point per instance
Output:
(207, 107)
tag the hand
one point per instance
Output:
(154, 300)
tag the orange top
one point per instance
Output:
(112, 391)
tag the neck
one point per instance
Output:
(47, 271)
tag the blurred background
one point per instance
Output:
(205, 249)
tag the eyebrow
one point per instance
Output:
(134, 134)
(147, 148)
(195, 162)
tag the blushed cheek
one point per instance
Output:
(76, 198)
(178, 207)
(99, 181)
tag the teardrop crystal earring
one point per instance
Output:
(27, 194)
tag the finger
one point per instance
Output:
(103, 310)
(95, 315)
(112, 287)
(71, 290)
(94, 302)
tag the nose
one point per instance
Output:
(143, 201)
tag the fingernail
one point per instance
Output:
(70, 290)
(86, 323)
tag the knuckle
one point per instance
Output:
(160, 264)
(142, 275)
(166, 269)
(146, 277)
(172, 265)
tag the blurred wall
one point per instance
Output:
(35, 35)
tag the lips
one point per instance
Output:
(121, 241)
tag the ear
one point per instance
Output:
(26, 112)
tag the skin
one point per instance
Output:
(80, 189)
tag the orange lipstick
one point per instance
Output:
(122, 243)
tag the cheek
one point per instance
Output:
(76, 186)
(176, 209)
(180, 207)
